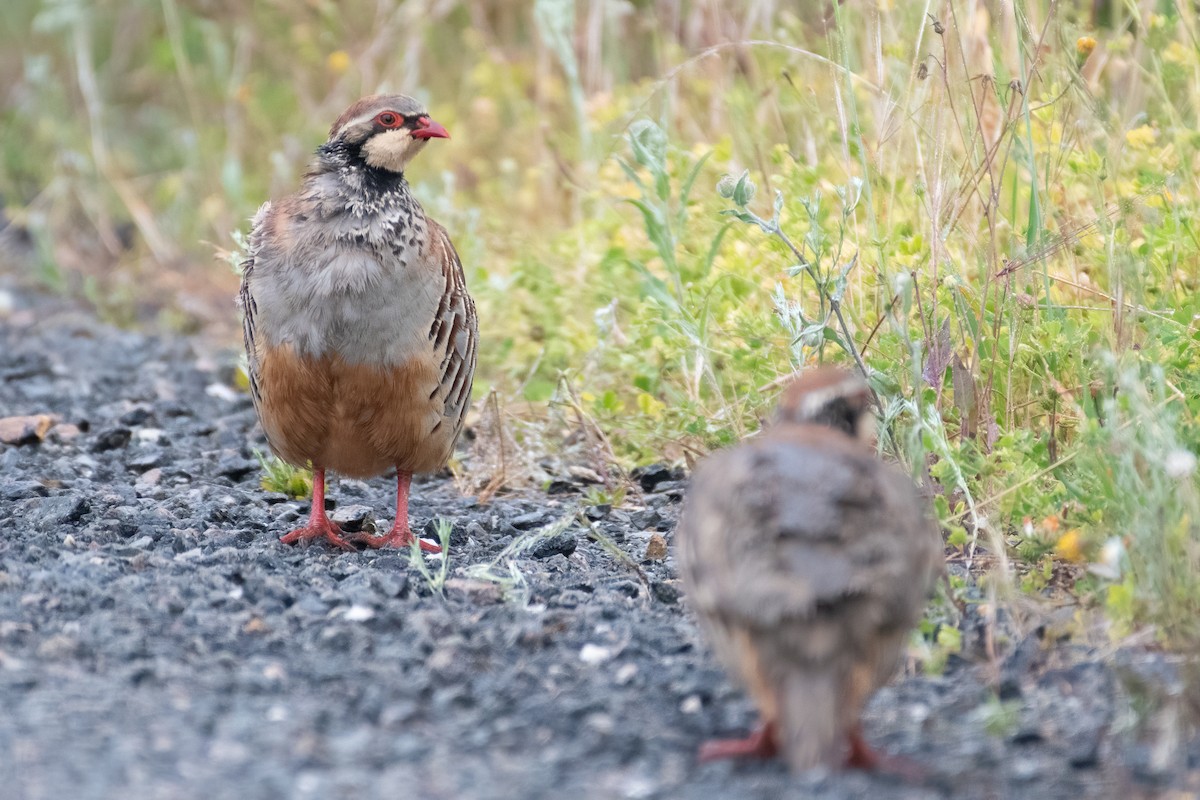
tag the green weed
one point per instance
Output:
(435, 580)
(1001, 718)
(280, 476)
(1136, 467)
(602, 496)
(503, 569)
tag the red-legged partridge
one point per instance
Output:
(358, 327)
(809, 561)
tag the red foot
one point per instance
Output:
(398, 537)
(319, 528)
(861, 756)
(760, 744)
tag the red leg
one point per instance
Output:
(319, 526)
(400, 535)
(861, 756)
(760, 744)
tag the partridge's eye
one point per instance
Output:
(388, 120)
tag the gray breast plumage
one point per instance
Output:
(346, 278)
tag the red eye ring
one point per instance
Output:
(389, 119)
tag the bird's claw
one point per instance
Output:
(398, 537)
(318, 529)
(862, 756)
(760, 744)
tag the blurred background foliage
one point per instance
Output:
(989, 205)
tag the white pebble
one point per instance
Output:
(221, 392)
(626, 673)
(593, 654)
(359, 613)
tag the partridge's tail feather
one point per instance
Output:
(810, 713)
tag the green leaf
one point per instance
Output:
(850, 196)
(685, 190)
(713, 249)
(649, 145)
(811, 335)
(750, 218)
(839, 288)
(631, 173)
(658, 232)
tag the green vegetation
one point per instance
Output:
(661, 219)
(280, 476)
(436, 581)
(503, 569)
(1000, 718)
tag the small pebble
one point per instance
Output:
(358, 613)
(656, 548)
(593, 654)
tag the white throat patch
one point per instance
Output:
(392, 150)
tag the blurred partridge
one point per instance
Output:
(358, 327)
(808, 561)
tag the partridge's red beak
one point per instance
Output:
(430, 130)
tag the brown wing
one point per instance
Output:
(247, 304)
(455, 329)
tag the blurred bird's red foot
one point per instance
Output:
(861, 756)
(760, 744)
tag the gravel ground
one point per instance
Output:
(157, 641)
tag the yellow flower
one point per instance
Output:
(338, 62)
(1084, 46)
(1141, 138)
(649, 405)
(1176, 53)
(1070, 546)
